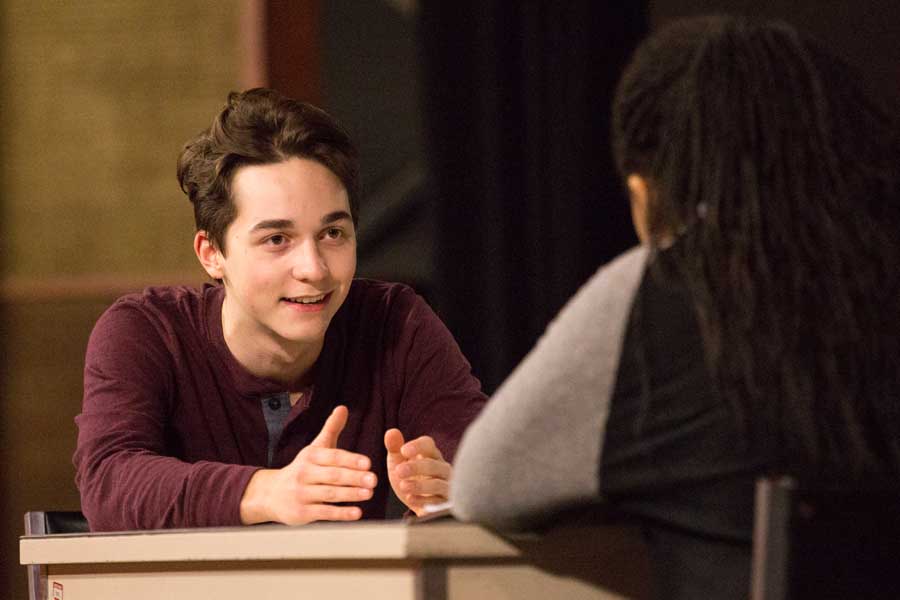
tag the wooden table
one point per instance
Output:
(365, 561)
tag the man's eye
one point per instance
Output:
(334, 233)
(276, 240)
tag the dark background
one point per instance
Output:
(483, 127)
(484, 130)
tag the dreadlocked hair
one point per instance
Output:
(777, 173)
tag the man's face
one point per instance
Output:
(290, 254)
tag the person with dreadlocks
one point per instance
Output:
(755, 331)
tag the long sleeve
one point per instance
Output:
(125, 469)
(536, 448)
(440, 396)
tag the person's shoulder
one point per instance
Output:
(173, 296)
(379, 288)
(379, 306)
(165, 304)
(616, 281)
(154, 318)
(373, 293)
(625, 267)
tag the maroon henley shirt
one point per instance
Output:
(173, 427)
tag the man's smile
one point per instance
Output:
(306, 299)
(308, 303)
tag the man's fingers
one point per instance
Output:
(339, 476)
(425, 487)
(393, 440)
(335, 457)
(315, 494)
(417, 469)
(333, 427)
(320, 476)
(421, 446)
(327, 512)
(416, 503)
(424, 467)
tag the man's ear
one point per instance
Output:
(639, 193)
(208, 255)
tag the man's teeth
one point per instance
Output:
(307, 299)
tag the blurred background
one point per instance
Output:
(483, 128)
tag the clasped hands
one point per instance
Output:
(322, 474)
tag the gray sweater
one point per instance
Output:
(537, 445)
(615, 405)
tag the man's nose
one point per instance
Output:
(308, 262)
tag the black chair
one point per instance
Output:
(39, 522)
(49, 522)
(824, 544)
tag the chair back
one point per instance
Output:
(49, 522)
(825, 543)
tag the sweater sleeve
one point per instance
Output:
(440, 396)
(126, 473)
(536, 447)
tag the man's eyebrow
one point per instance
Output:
(273, 224)
(337, 215)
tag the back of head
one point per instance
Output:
(778, 175)
(260, 126)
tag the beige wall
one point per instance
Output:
(96, 99)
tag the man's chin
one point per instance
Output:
(304, 336)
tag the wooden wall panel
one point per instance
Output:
(43, 360)
(97, 98)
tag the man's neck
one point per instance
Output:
(267, 357)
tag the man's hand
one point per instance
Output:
(304, 490)
(418, 472)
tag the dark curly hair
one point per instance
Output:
(260, 126)
(779, 174)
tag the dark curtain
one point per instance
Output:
(516, 98)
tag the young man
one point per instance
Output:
(290, 392)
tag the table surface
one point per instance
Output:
(329, 541)
(397, 559)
